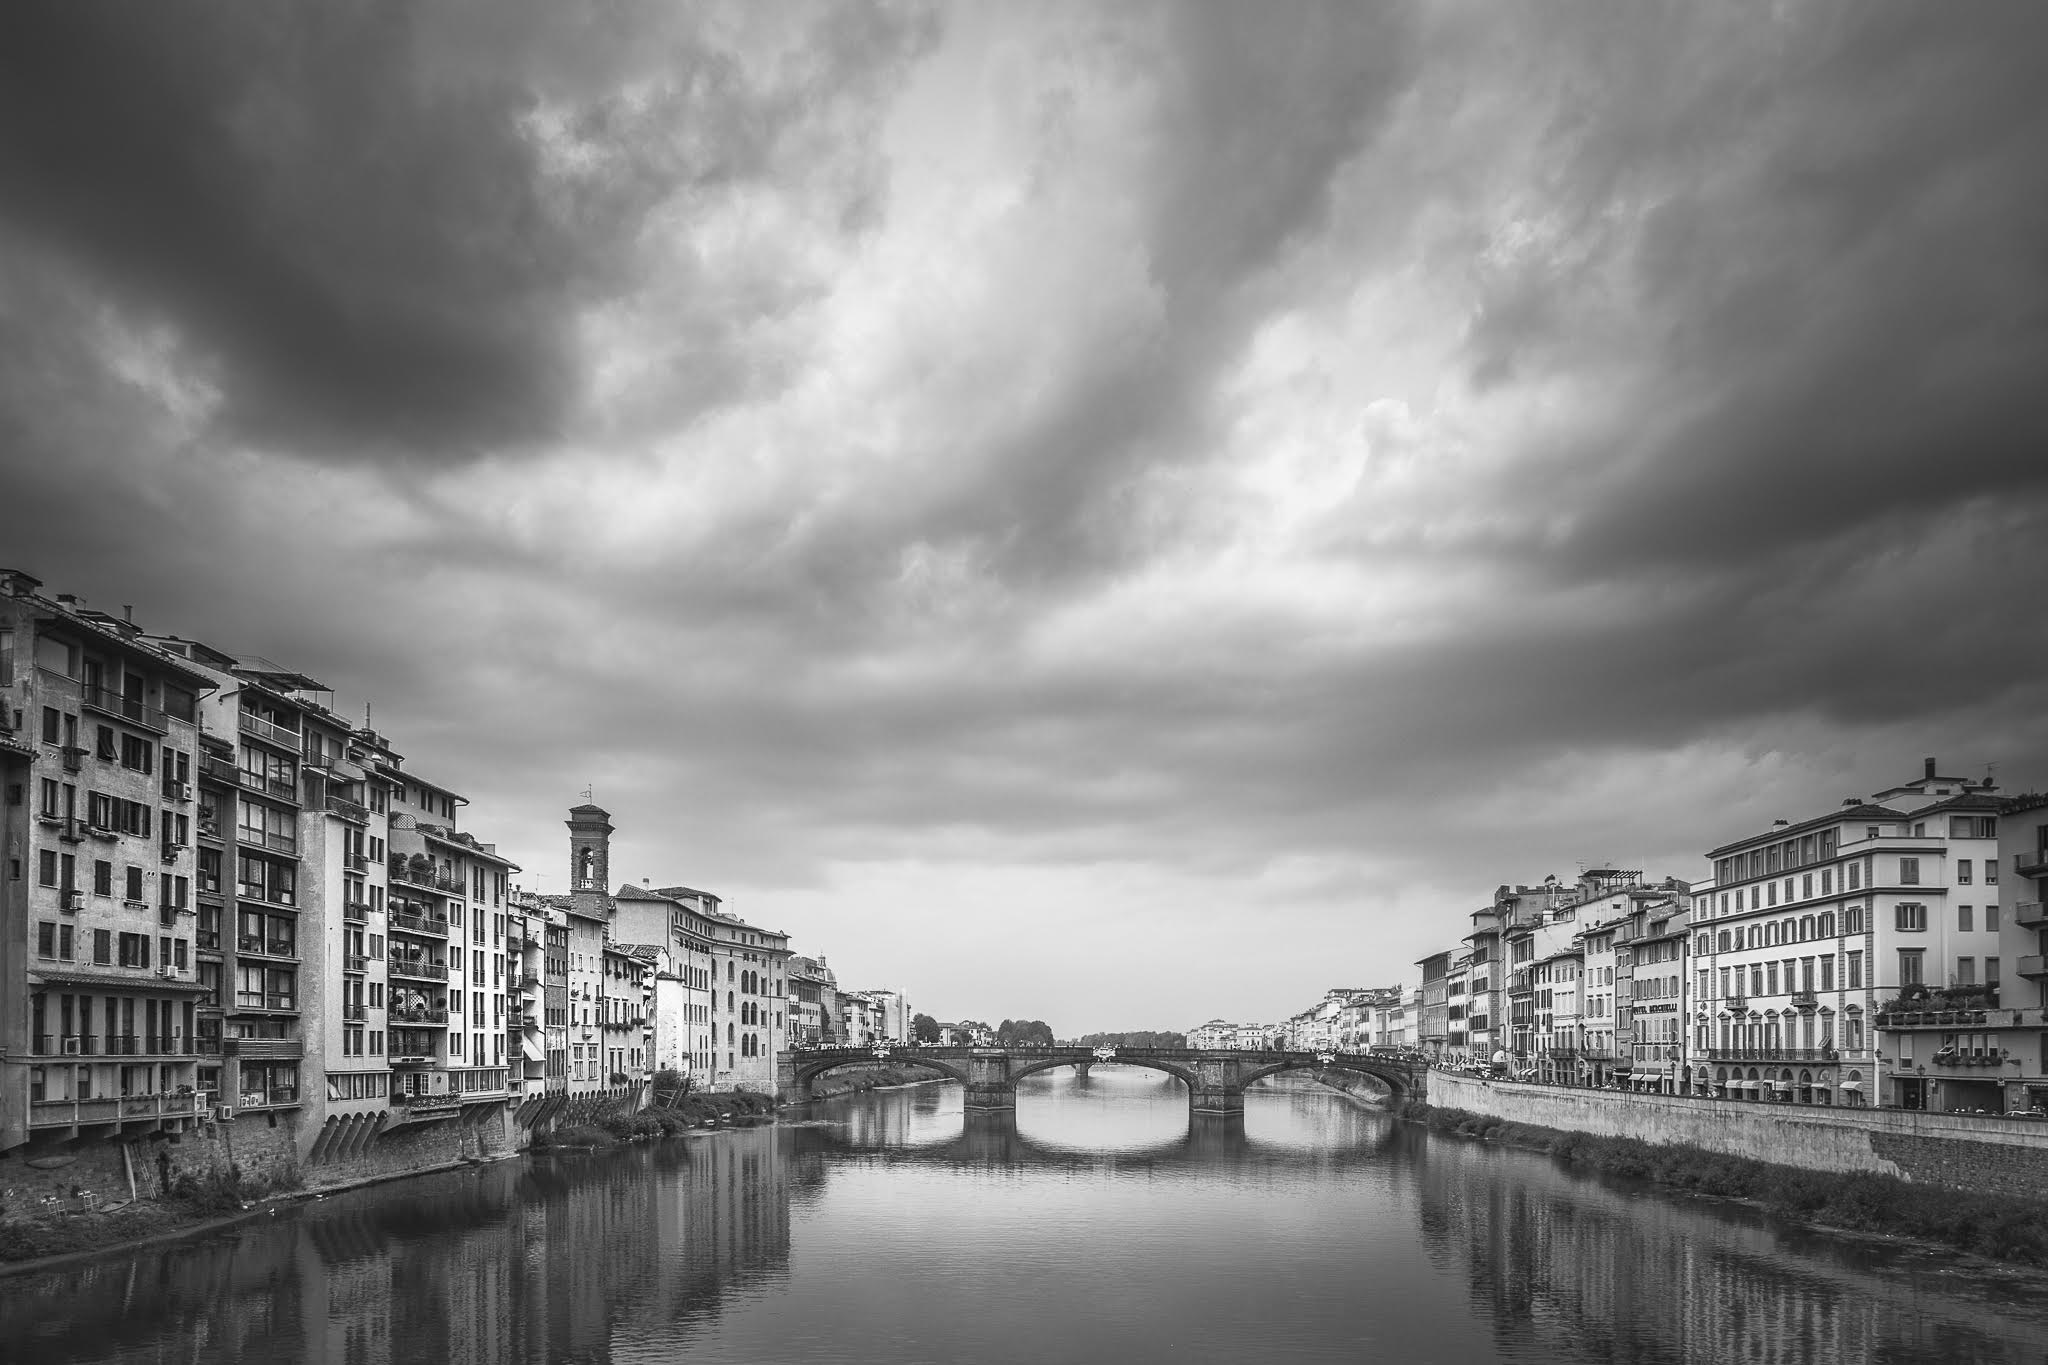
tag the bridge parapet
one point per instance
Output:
(1216, 1080)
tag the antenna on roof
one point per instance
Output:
(586, 793)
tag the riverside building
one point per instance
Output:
(311, 958)
(1813, 939)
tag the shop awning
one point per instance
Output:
(1852, 1085)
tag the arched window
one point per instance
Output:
(730, 1032)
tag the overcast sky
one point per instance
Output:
(1115, 514)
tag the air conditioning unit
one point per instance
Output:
(181, 791)
(167, 973)
(70, 1047)
(74, 901)
(222, 1113)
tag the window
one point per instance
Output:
(1963, 866)
(1911, 971)
(1991, 872)
(1827, 972)
(1909, 872)
(1991, 921)
(1966, 971)
(46, 938)
(53, 732)
(102, 877)
(1965, 919)
(1852, 920)
(1855, 971)
(137, 755)
(134, 884)
(135, 950)
(1910, 917)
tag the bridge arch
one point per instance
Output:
(808, 1071)
(1395, 1077)
(1030, 1065)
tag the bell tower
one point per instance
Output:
(590, 849)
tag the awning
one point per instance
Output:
(1852, 1085)
(1784, 1086)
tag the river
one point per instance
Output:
(1099, 1223)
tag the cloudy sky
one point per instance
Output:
(1115, 514)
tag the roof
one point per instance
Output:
(1862, 810)
(588, 809)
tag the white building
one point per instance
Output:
(1809, 931)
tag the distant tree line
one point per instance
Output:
(1136, 1038)
(1009, 1033)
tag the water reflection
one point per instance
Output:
(897, 1227)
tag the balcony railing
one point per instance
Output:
(267, 1049)
(258, 1000)
(355, 962)
(2030, 914)
(1772, 1054)
(253, 724)
(71, 1113)
(2031, 967)
(355, 1014)
(419, 924)
(104, 699)
(276, 1097)
(355, 912)
(421, 1103)
(219, 769)
(206, 940)
(1805, 1000)
(418, 969)
(427, 1016)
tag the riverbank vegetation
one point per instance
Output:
(2006, 1228)
(192, 1201)
(855, 1080)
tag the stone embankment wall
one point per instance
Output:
(1991, 1155)
(264, 1148)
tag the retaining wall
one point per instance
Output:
(1992, 1155)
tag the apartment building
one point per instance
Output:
(2016, 1019)
(1815, 939)
(1649, 991)
(813, 1002)
(98, 962)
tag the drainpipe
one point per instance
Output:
(127, 1161)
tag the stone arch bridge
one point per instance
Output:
(1216, 1080)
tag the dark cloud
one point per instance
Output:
(363, 234)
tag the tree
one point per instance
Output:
(924, 1028)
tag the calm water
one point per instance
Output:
(1099, 1224)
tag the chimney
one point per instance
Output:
(1780, 823)
(1852, 800)
(1930, 770)
(128, 612)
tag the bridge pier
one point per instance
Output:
(1218, 1086)
(990, 1083)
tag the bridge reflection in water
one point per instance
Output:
(898, 1226)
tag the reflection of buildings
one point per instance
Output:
(1571, 1268)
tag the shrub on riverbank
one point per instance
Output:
(2006, 1228)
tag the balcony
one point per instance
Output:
(2031, 967)
(1735, 1004)
(355, 963)
(64, 1045)
(1973, 1056)
(277, 841)
(418, 969)
(435, 1015)
(254, 726)
(355, 1014)
(529, 982)
(2030, 914)
(275, 1097)
(266, 1049)
(1805, 1000)
(355, 912)
(419, 1104)
(431, 926)
(210, 829)
(108, 702)
(219, 770)
(145, 1045)
(1716, 1053)
(260, 946)
(73, 1113)
(158, 1106)
(206, 940)
(262, 1003)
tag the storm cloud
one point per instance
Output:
(1106, 514)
